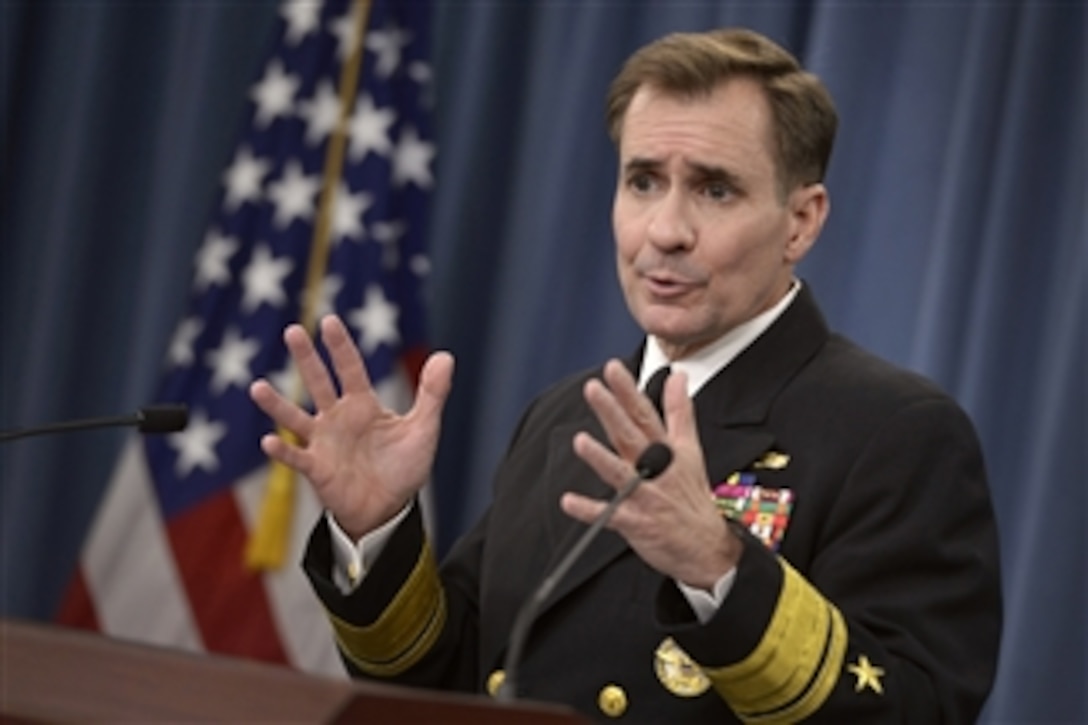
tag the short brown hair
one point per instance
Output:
(693, 64)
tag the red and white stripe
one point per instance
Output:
(184, 583)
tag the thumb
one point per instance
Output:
(435, 382)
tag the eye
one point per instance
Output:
(717, 190)
(641, 182)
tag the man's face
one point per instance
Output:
(704, 241)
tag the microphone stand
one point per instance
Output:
(650, 464)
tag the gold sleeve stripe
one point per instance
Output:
(405, 631)
(822, 685)
(796, 664)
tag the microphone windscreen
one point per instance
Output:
(166, 418)
(655, 459)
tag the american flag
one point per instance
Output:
(322, 209)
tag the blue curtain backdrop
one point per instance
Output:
(956, 245)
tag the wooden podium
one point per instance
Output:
(49, 674)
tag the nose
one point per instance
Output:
(671, 226)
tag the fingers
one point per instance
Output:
(293, 457)
(581, 508)
(311, 368)
(344, 355)
(628, 417)
(346, 360)
(625, 389)
(671, 522)
(609, 467)
(679, 408)
(285, 413)
(631, 423)
(315, 375)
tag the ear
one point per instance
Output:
(809, 206)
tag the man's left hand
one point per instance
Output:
(671, 521)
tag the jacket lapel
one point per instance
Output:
(733, 407)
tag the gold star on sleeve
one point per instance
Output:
(868, 675)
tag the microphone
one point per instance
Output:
(653, 461)
(164, 418)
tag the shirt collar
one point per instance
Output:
(707, 361)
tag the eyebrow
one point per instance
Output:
(716, 173)
(705, 172)
(639, 163)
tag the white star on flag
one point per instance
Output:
(230, 362)
(420, 265)
(347, 213)
(180, 353)
(274, 95)
(263, 277)
(243, 179)
(321, 113)
(195, 445)
(302, 18)
(368, 129)
(213, 260)
(293, 195)
(376, 321)
(420, 73)
(412, 160)
(387, 45)
(347, 39)
(388, 234)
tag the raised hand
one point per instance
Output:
(671, 521)
(365, 462)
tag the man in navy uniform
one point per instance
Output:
(822, 545)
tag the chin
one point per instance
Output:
(673, 334)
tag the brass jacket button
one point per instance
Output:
(612, 700)
(494, 682)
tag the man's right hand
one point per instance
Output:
(365, 462)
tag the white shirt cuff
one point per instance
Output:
(705, 603)
(353, 559)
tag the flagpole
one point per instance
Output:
(266, 548)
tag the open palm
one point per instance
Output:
(364, 461)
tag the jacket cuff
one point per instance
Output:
(391, 620)
(775, 648)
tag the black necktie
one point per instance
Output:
(656, 386)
